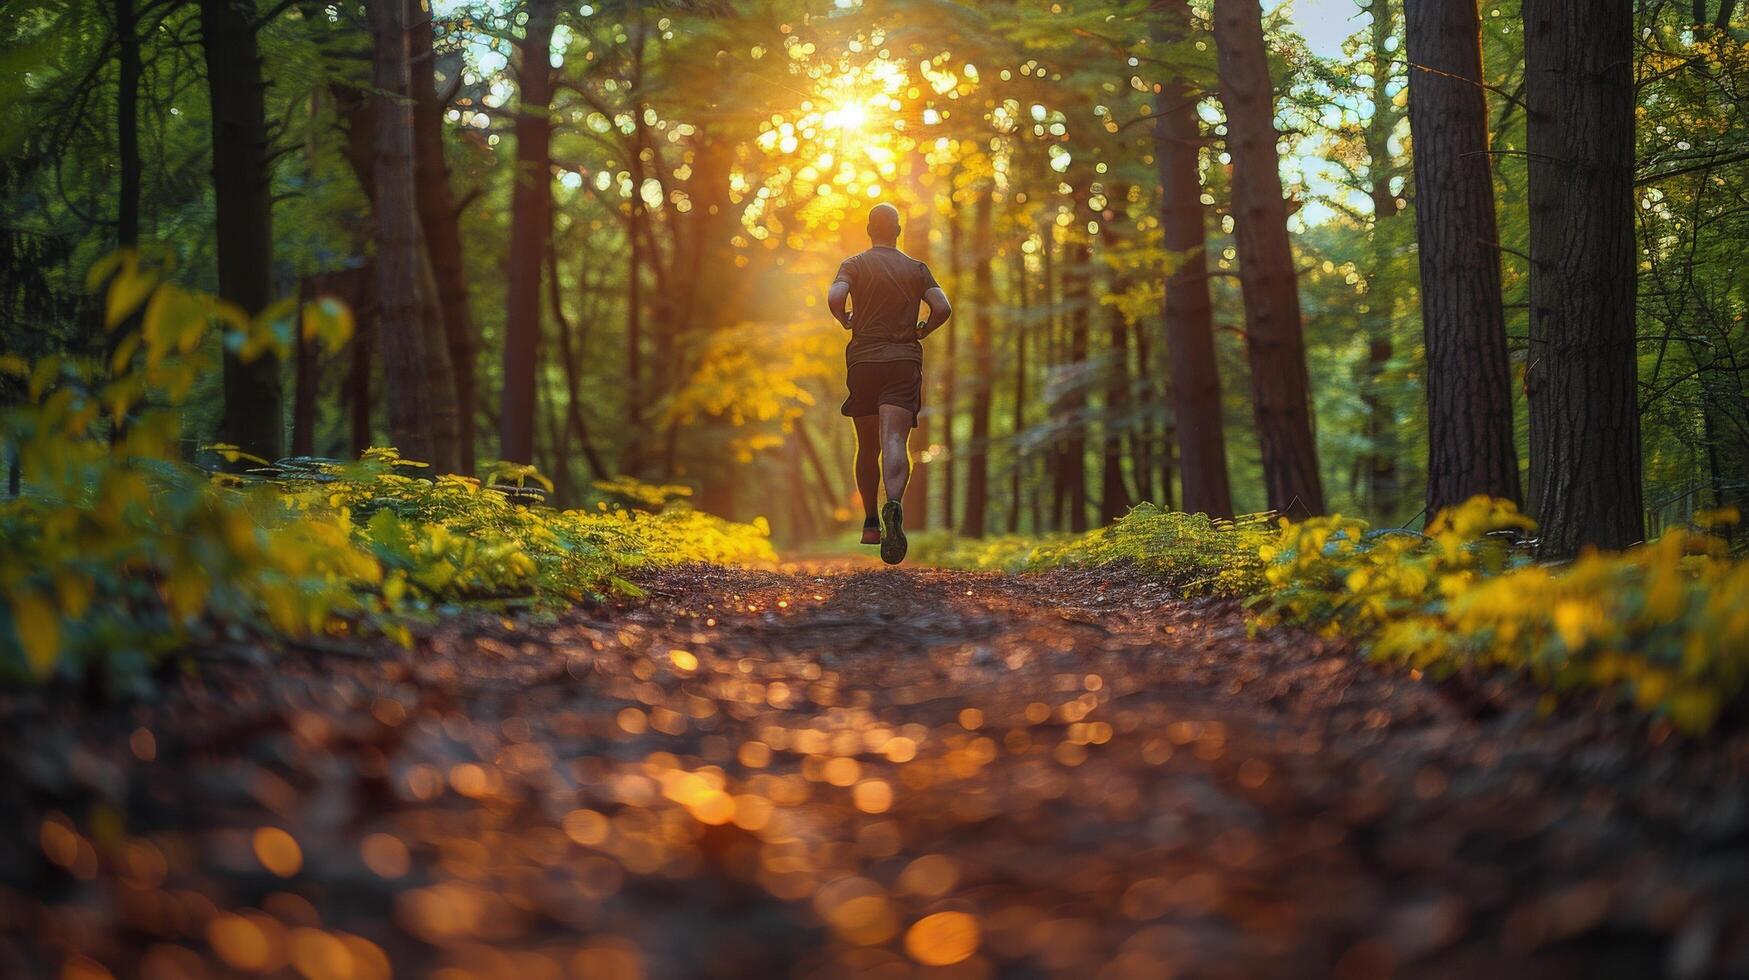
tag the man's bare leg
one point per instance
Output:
(895, 450)
(868, 471)
(896, 467)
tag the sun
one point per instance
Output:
(850, 116)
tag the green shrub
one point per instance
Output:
(1664, 626)
(119, 553)
(1198, 554)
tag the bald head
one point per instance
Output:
(883, 224)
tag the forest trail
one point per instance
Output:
(834, 770)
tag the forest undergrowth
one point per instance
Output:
(1664, 626)
(122, 553)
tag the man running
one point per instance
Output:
(885, 367)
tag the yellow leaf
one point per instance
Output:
(275, 311)
(329, 320)
(1726, 516)
(38, 623)
(186, 591)
(44, 372)
(232, 316)
(127, 291)
(124, 352)
(105, 267)
(231, 454)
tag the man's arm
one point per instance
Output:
(939, 311)
(836, 296)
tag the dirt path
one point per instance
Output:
(831, 771)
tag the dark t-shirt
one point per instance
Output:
(886, 288)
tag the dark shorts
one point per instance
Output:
(876, 383)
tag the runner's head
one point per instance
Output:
(883, 224)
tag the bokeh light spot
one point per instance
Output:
(278, 851)
(943, 939)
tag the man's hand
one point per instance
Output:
(844, 321)
(922, 330)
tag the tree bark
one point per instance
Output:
(983, 373)
(1274, 341)
(438, 219)
(530, 222)
(1470, 448)
(631, 461)
(358, 387)
(1020, 330)
(570, 358)
(1381, 486)
(822, 475)
(1584, 419)
(1053, 359)
(254, 396)
(1114, 497)
(917, 246)
(1189, 313)
(1142, 439)
(950, 394)
(305, 377)
(1077, 296)
(399, 257)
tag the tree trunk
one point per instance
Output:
(949, 395)
(822, 475)
(917, 246)
(1470, 447)
(439, 379)
(530, 222)
(1077, 296)
(358, 387)
(1189, 317)
(399, 257)
(570, 358)
(254, 397)
(1378, 464)
(983, 374)
(1727, 452)
(304, 379)
(1057, 451)
(1114, 496)
(438, 218)
(1274, 342)
(1584, 419)
(1143, 436)
(1016, 484)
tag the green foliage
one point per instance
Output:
(1003, 553)
(1196, 553)
(1665, 626)
(627, 491)
(1332, 572)
(119, 553)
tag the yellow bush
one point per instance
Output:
(1199, 554)
(1666, 625)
